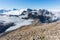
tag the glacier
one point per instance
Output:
(19, 22)
(16, 20)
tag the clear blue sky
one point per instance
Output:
(45, 4)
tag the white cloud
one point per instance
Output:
(54, 9)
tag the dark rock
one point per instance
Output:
(13, 15)
(3, 26)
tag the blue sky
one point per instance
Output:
(43, 4)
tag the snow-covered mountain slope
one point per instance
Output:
(18, 22)
(8, 18)
(25, 17)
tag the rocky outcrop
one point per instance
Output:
(49, 31)
(43, 15)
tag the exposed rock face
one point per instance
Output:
(44, 15)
